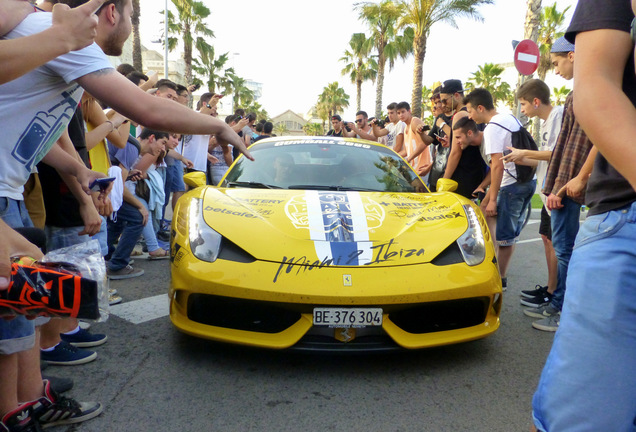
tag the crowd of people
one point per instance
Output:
(69, 119)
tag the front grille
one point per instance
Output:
(441, 316)
(238, 314)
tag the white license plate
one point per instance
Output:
(348, 317)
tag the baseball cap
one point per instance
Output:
(452, 86)
(336, 117)
(562, 45)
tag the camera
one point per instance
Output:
(345, 123)
(426, 127)
(196, 87)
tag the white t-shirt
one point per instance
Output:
(196, 149)
(498, 139)
(550, 130)
(394, 129)
(36, 107)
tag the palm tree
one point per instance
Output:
(242, 95)
(550, 29)
(280, 129)
(420, 16)
(313, 129)
(488, 76)
(321, 111)
(136, 52)
(559, 95)
(257, 109)
(210, 67)
(334, 98)
(190, 27)
(382, 19)
(358, 64)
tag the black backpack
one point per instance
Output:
(522, 139)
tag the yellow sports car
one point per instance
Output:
(331, 244)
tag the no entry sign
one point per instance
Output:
(527, 57)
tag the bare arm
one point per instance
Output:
(399, 145)
(13, 244)
(88, 211)
(72, 29)
(574, 188)
(12, 12)
(598, 80)
(114, 128)
(379, 132)
(64, 163)
(157, 113)
(496, 175)
(421, 145)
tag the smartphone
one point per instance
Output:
(439, 137)
(101, 184)
(506, 152)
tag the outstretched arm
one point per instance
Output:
(127, 99)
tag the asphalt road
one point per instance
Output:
(152, 378)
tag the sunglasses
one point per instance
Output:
(359, 121)
(444, 101)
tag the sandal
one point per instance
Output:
(158, 254)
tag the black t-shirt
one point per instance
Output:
(441, 153)
(333, 133)
(607, 190)
(62, 209)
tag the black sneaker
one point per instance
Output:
(53, 409)
(19, 420)
(539, 290)
(504, 284)
(538, 301)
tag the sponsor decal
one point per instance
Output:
(338, 222)
(380, 253)
(230, 212)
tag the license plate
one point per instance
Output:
(348, 317)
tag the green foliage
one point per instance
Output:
(550, 29)
(314, 129)
(280, 129)
(559, 95)
(333, 98)
(488, 76)
(420, 16)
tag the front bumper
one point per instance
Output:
(424, 305)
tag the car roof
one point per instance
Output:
(316, 140)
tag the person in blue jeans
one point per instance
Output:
(568, 172)
(589, 380)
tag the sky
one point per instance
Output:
(293, 47)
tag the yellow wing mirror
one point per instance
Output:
(446, 185)
(194, 179)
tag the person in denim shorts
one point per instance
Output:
(507, 199)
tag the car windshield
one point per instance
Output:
(323, 164)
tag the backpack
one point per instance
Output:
(521, 139)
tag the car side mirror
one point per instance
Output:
(446, 185)
(194, 179)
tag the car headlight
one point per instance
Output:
(205, 243)
(472, 243)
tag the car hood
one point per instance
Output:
(336, 228)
